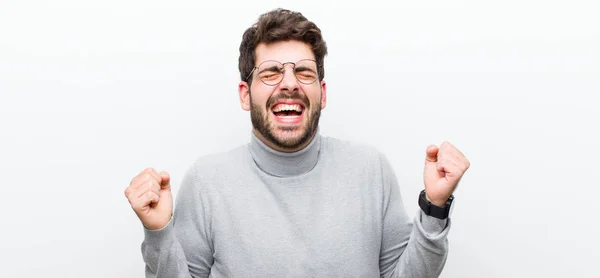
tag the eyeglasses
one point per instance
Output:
(271, 72)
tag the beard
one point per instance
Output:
(261, 123)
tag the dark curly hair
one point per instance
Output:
(280, 25)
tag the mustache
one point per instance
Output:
(283, 96)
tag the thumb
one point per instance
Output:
(165, 180)
(431, 153)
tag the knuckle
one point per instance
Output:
(147, 182)
(135, 205)
(138, 207)
(151, 196)
(152, 185)
(151, 177)
(140, 202)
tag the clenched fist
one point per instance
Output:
(149, 194)
(444, 167)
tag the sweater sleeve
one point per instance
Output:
(183, 248)
(416, 248)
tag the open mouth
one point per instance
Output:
(288, 110)
(288, 113)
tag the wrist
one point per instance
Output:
(437, 202)
(438, 211)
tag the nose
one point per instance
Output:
(289, 83)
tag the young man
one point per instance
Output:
(292, 202)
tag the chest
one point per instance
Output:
(307, 226)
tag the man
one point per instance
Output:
(292, 202)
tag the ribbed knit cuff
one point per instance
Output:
(432, 226)
(160, 237)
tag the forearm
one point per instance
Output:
(427, 249)
(163, 254)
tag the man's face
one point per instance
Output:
(285, 116)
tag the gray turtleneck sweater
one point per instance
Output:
(332, 209)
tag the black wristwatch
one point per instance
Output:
(433, 210)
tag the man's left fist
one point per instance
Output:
(444, 166)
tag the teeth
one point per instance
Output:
(287, 107)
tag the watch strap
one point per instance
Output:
(433, 210)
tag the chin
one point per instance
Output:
(287, 136)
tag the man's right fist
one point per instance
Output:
(149, 194)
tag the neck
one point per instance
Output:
(284, 163)
(281, 149)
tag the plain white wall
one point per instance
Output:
(91, 93)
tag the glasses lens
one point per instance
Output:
(270, 72)
(306, 71)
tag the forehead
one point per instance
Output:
(283, 51)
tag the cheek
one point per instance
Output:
(313, 95)
(260, 95)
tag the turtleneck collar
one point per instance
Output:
(282, 164)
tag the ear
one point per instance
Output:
(244, 92)
(323, 94)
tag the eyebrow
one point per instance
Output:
(273, 68)
(303, 68)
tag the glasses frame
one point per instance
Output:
(283, 73)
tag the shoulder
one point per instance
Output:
(362, 154)
(217, 165)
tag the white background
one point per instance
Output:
(91, 93)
